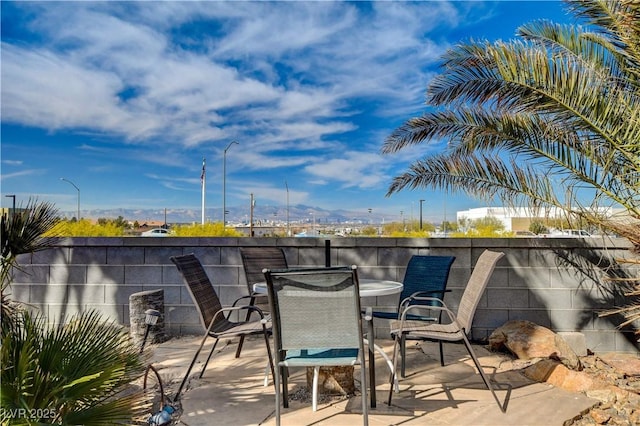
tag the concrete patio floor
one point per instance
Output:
(232, 391)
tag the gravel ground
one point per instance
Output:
(620, 401)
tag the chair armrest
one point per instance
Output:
(230, 309)
(419, 294)
(425, 293)
(241, 298)
(442, 308)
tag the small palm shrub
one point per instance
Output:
(77, 373)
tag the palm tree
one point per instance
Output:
(76, 373)
(20, 233)
(543, 120)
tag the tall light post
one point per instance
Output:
(77, 189)
(13, 206)
(421, 201)
(288, 230)
(224, 183)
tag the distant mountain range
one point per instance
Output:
(261, 214)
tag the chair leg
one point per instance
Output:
(316, 373)
(372, 361)
(284, 373)
(395, 366)
(269, 354)
(193, 361)
(363, 386)
(403, 355)
(252, 300)
(485, 379)
(204, 367)
(276, 379)
(440, 343)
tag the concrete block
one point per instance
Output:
(395, 256)
(68, 274)
(537, 316)
(160, 255)
(56, 255)
(529, 277)
(490, 319)
(172, 293)
(550, 298)
(627, 341)
(599, 341)
(171, 275)
(124, 255)
(119, 294)
(113, 312)
(31, 274)
(499, 278)
(88, 255)
(181, 314)
(223, 275)
(83, 294)
(361, 256)
(105, 274)
(511, 298)
(576, 341)
(142, 274)
(54, 294)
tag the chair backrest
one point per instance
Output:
(315, 308)
(475, 287)
(426, 273)
(256, 259)
(200, 288)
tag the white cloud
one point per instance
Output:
(353, 169)
(165, 81)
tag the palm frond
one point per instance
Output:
(80, 369)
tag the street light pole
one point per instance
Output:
(288, 230)
(224, 184)
(13, 206)
(77, 189)
(421, 201)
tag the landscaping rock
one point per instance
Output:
(557, 374)
(528, 340)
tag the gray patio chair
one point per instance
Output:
(213, 316)
(458, 325)
(254, 260)
(316, 322)
(425, 276)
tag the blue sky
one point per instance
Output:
(125, 99)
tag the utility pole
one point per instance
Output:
(253, 203)
(224, 184)
(421, 201)
(77, 189)
(13, 207)
(288, 228)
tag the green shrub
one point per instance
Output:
(211, 229)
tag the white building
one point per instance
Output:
(519, 218)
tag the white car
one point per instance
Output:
(156, 232)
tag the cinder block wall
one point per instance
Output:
(558, 283)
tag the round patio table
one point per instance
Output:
(368, 287)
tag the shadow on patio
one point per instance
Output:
(232, 390)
